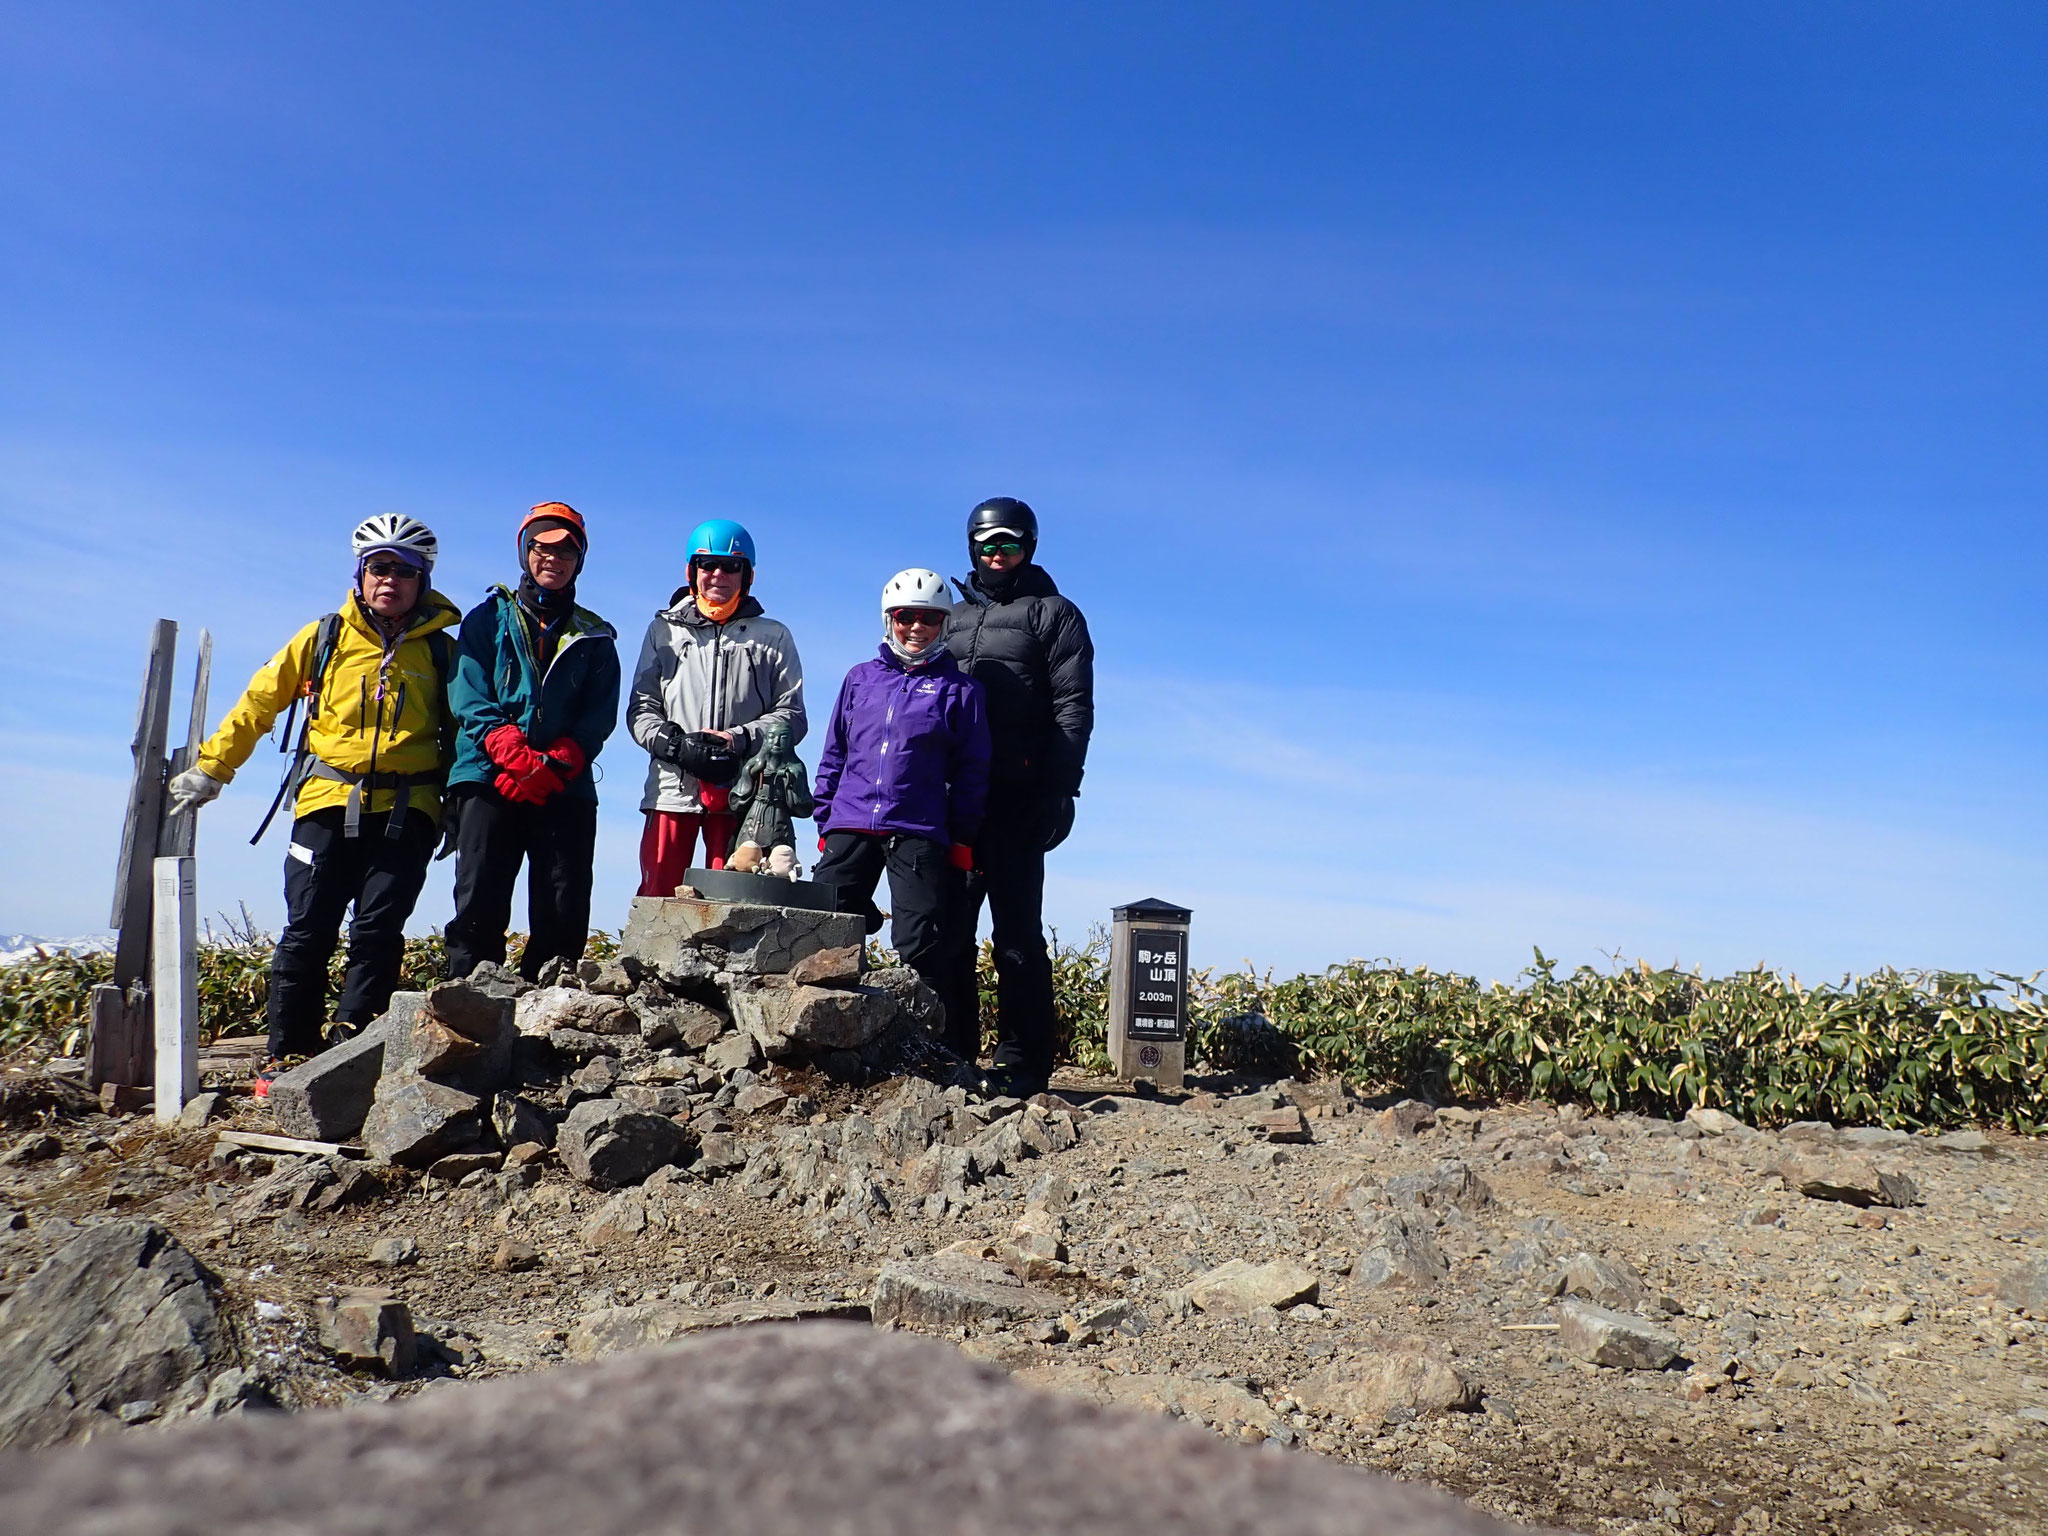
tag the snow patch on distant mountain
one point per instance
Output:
(23, 946)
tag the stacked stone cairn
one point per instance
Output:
(661, 1064)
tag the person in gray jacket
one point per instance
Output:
(714, 671)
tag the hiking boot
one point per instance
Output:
(1012, 1082)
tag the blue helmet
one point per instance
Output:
(722, 536)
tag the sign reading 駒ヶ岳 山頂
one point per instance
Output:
(1158, 984)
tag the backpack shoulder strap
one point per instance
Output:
(325, 640)
(325, 643)
(441, 646)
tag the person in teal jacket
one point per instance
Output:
(535, 695)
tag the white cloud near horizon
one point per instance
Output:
(1383, 836)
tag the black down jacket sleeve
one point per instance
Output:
(1070, 667)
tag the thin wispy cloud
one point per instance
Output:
(1601, 480)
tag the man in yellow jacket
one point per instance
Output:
(367, 779)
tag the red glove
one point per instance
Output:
(534, 788)
(961, 857)
(821, 842)
(567, 758)
(507, 747)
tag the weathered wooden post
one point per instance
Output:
(125, 1026)
(179, 832)
(121, 1026)
(1148, 991)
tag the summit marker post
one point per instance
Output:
(1148, 991)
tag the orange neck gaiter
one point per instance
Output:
(719, 613)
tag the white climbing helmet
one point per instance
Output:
(396, 532)
(915, 588)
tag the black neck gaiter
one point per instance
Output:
(543, 612)
(548, 606)
(997, 585)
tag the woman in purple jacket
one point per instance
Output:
(901, 786)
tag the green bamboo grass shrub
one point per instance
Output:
(1906, 1049)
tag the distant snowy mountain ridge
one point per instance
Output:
(23, 946)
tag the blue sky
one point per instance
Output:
(1561, 475)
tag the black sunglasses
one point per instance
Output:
(390, 570)
(1006, 547)
(733, 566)
(927, 618)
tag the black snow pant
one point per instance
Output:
(1009, 874)
(557, 841)
(926, 906)
(325, 873)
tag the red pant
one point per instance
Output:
(669, 840)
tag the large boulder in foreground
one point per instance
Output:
(119, 1316)
(751, 1432)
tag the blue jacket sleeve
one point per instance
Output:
(967, 772)
(832, 761)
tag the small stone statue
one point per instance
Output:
(782, 863)
(773, 787)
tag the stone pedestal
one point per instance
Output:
(685, 937)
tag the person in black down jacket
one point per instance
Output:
(1029, 649)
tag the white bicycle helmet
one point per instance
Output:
(395, 531)
(915, 588)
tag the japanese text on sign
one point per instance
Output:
(1158, 983)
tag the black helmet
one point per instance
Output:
(1002, 514)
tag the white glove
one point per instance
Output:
(192, 789)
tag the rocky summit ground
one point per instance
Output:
(1609, 1324)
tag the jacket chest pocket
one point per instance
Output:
(920, 714)
(410, 698)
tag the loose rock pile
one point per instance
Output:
(1606, 1322)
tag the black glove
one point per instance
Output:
(451, 820)
(698, 753)
(1058, 821)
